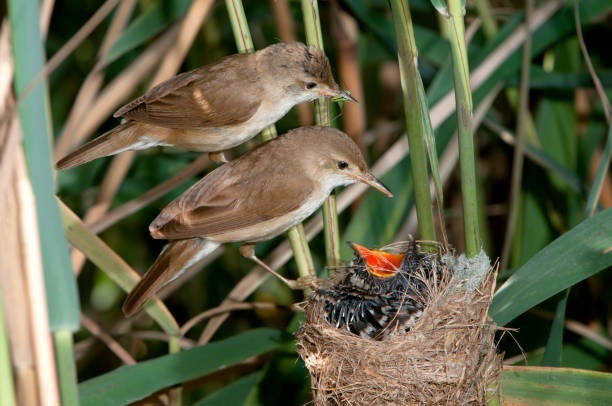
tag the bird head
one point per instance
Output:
(334, 159)
(381, 264)
(307, 69)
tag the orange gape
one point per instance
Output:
(380, 263)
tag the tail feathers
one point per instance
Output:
(121, 138)
(176, 257)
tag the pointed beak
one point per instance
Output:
(346, 96)
(360, 250)
(371, 180)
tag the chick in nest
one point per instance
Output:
(379, 292)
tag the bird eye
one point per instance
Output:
(342, 165)
(311, 85)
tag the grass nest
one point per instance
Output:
(443, 353)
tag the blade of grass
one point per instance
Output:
(236, 393)
(554, 386)
(554, 346)
(418, 125)
(581, 252)
(314, 37)
(244, 42)
(133, 382)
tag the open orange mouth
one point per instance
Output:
(379, 263)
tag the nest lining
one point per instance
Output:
(448, 356)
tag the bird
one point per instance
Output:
(251, 199)
(379, 292)
(218, 106)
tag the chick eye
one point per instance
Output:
(342, 165)
(311, 85)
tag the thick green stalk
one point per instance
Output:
(415, 111)
(66, 368)
(244, 42)
(314, 37)
(463, 100)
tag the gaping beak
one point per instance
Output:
(379, 263)
(346, 96)
(371, 180)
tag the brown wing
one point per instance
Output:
(213, 95)
(227, 203)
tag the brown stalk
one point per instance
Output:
(222, 310)
(286, 32)
(46, 10)
(109, 341)
(94, 80)
(345, 33)
(120, 165)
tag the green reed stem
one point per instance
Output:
(463, 100)
(331, 230)
(7, 388)
(417, 113)
(244, 42)
(66, 367)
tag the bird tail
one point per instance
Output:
(124, 137)
(175, 258)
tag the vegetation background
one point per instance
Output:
(566, 130)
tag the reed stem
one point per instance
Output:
(66, 368)
(331, 230)
(417, 116)
(463, 100)
(244, 42)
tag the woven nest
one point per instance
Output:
(448, 355)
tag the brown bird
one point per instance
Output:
(217, 106)
(251, 199)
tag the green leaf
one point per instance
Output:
(35, 118)
(554, 346)
(555, 386)
(440, 5)
(581, 252)
(146, 26)
(133, 382)
(233, 394)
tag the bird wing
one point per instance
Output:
(226, 202)
(210, 96)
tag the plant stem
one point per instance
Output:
(65, 367)
(415, 111)
(519, 149)
(244, 42)
(7, 389)
(176, 394)
(463, 100)
(314, 37)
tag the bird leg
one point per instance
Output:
(248, 251)
(218, 157)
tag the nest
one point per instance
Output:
(447, 356)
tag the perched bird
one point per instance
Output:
(254, 198)
(218, 106)
(379, 292)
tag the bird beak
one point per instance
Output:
(378, 263)
(371, 180)
(346, 96)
